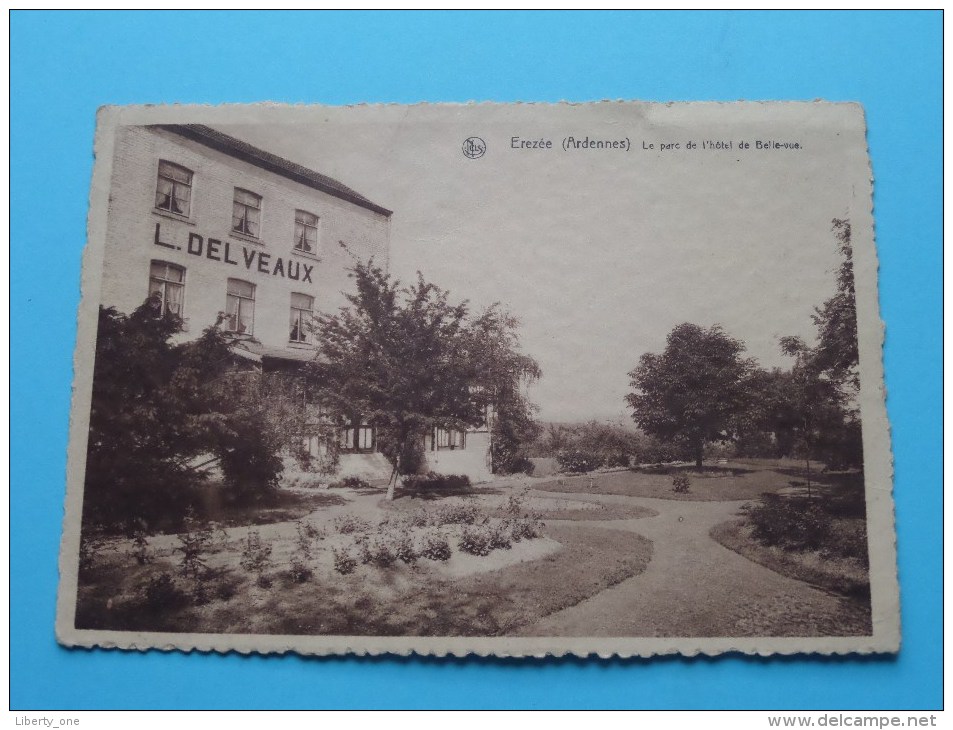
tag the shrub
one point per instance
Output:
(344, 562)
(617, 460)
(458, 513)
(436, 547)
(305, 533)
(398, 522)
(475, 540)
(515, 504)
(404, 548)
(848, 540)
(364, 552)
(579, 462)
(300, 572)
(350, 524)
(256, 554)
(350, 482)
(522, 465)
(311, 531)
(507, 459)
(501, 536)
(525, 528)
(681, 484)
(162, 594)
(792, 523)
(436, 482)
(656, 453)
(249, 457)
(194, 543)
(140, 547)
(381, 554)
(420, 518)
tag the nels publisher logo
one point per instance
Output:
(474, 147)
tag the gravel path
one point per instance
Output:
(695, 587)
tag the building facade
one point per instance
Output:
(216, 227)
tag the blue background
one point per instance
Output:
(63, 66)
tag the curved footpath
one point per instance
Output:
(693, 586)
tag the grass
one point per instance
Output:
(735, 481)
(845, 576)
(287, 506)
(598, 512)
(399, 601)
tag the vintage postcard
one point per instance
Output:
(503, 379)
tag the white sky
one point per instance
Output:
(601, 253)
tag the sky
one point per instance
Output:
(600, 253)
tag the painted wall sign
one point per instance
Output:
(229, 253)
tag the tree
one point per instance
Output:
(161, 414)
(505, 374)
(401, 360)
(694, 391)
(815, 401)
(824, 382)
(137, 463)
(836, 353)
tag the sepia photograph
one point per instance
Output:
(506, 379)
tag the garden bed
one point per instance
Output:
(501, 569)
(845, 576)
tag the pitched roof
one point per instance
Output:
(273, 163)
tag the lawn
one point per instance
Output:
(713, 483)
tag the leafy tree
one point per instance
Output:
(836, 353)
(399, 359)
(140, 446)
(693, 392)
(556, 439)
(504, 374)
(824, 382)
(815, 401)
(161, 414)
(767, 428)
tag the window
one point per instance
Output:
(356, 438)
(302, 309)
(246, 213)
(449, 438)
(314, 446)
(168, 281)
(174, 189)
(240, 307)
(306, 232)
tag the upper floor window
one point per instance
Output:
(246, 213)
(302, 309)
(174, 188)
(168, 282)
(306, 232)
(240, 307)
